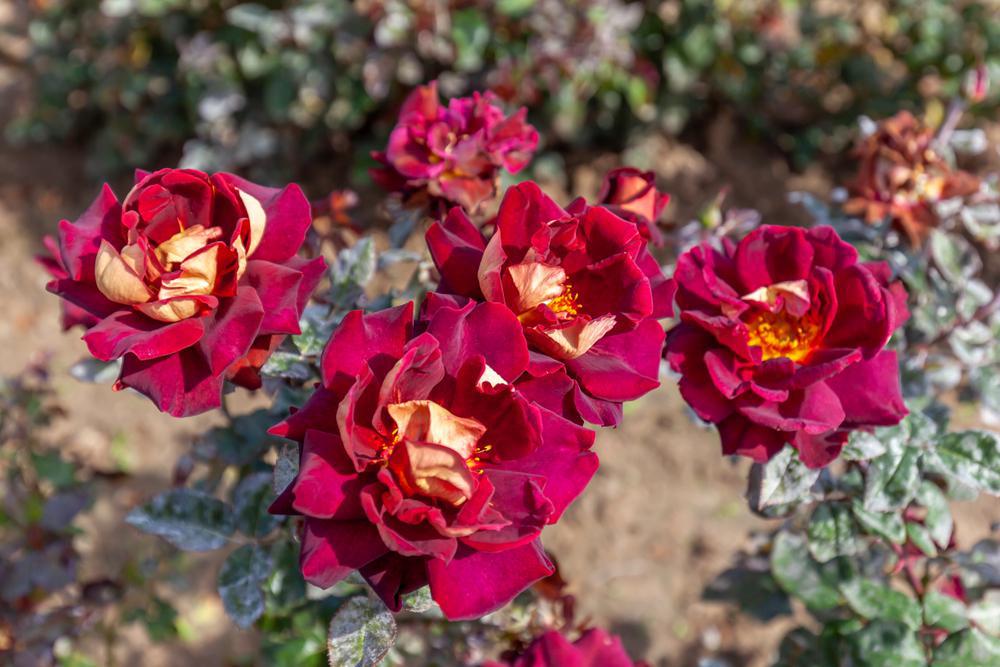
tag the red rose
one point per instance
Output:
(583, 285)
(421, 463)
(193, 279)
(781, 341)
(454, 153)
(901, 176)
(594, 648)
(632, 194)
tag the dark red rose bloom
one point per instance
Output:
(781, 340)
(454, 153)
(632, 194)
(594, 648)
(193, 280)
(902, 177)
(422, 464)
(583, 285)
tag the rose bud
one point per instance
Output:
(632, 194)
(583, 285)
(191, 280)
(781, 340)
(453, 153)
(594, 648)
(901, 177)
(421, 463)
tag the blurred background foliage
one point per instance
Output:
(283, 88)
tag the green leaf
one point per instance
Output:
(419, 601)
(800, 576)
(885, 524)
(51, 467)
(782, 480)
(754, 591)
(188, 519)
(240, 580)
(514, 7)
(968, 648)
(96, 371)
(159, 619)
(832, 532)
(286, 467)
(891, 481)
(470, 34)
(938, 520)
(886, 644)
(971, 457)
(944, 611)
(351, 271)
(863, 446)
(361, 633)
(251, 498)
(986, 612)
(955, 258)
(241, 442)
(875, 600)
(921, 538)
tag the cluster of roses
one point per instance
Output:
(442, 439)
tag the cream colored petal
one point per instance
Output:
(490, 376)
(795, 294)
(535, 283)
(183, 244)
(437, 473)
(115, 277)
(171, 310)
(241, 257)
(489, 270)
(258, 220)
(576, 339)
(198, 275)
(429, 422)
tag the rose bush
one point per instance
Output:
(191, 280)
(781, 340)
(594, 648)
(901, 176)
(421, 463)
(453, 153)
(583, 285)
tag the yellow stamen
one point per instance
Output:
(782, 335)
(566, 303)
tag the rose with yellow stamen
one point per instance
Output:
(192, 279)
(584, 286)
(782, 340)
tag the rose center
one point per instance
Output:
(781, 334)
(566, 304)
(433, 452)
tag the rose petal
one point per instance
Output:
(476, 583)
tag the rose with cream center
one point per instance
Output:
(433, 451)
(421, 463)
(193, 279)
(583, 285)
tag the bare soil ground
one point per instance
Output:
(663, 517)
